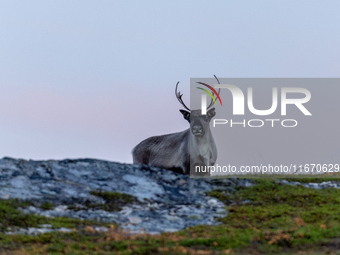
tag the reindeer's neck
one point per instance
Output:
(205, 139)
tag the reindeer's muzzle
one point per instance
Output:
(197, 128)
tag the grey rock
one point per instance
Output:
(172, 218)
(135, 220)
(322, 185)
(20, 182)
(221, 211)
(167, 201)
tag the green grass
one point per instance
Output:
(10, 216)
(313, 179)
(278, 219)
(47, 206)
(114, 201)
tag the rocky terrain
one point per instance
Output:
(158, 200)
(321, 185)
(164, 200)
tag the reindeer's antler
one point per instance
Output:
(212, 101)
(179, 97)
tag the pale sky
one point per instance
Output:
(94, 78)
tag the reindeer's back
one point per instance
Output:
(159, 150)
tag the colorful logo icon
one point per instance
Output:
(209, 93)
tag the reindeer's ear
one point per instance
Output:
(211, 113)
(186, 115)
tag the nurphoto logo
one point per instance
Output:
(238, 104)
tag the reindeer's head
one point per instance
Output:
(199, 124)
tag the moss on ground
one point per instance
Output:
(114, 201)
(47, 206)
(278, 219)
(313, 179)
(10, 216)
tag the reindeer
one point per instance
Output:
(182, 151)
